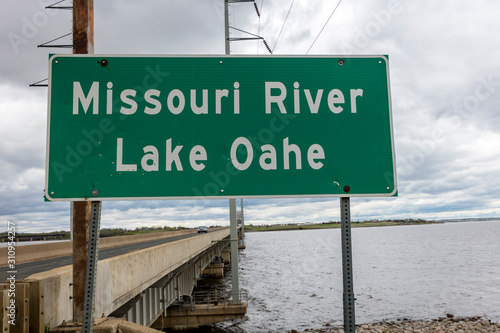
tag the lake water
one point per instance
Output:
(294, 278)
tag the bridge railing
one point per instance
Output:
(215, 297)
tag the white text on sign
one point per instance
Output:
(155, 100)
(268, 159)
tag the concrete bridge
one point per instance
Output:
(138, 286)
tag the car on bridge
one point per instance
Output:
(202, 229)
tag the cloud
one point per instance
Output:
(187, 27)
(24, 26)
(445, 95)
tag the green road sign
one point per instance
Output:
(137, 127)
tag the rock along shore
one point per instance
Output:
(441, 325)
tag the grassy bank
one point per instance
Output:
(331, 225)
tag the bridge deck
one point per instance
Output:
(120, 278)
(26, 267)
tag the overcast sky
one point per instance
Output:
(445, 81)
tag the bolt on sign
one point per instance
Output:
(153, 127)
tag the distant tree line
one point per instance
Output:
(398, 221)
(108, 232)
(53, 235)
(105, 232)
(413, 221)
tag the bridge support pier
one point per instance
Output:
(190, 317)
(226, 255)
(215, 270)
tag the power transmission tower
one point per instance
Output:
(228, 27)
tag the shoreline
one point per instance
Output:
(440, 325)
(335, 225)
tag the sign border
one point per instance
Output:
(53, 57)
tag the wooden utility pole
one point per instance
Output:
(83, 26)
(83, 43)
(81, 222)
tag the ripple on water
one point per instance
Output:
(294, 278)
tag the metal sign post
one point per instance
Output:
(349, 314)
(90, 276)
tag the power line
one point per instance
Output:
(274, 47)
(53, 40)
(258, 29)
(334, 10)
(254, 37)
(53, 6)
(256, 8)
(39, 83)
